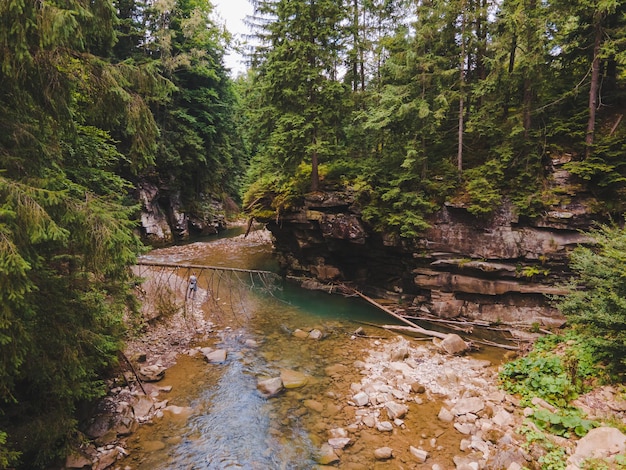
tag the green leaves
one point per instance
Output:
(564, 423)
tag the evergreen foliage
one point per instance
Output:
(462, 101)
(88, 105)
(596, 304)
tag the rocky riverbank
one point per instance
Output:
(384, 401)
(394, 402)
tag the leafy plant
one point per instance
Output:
(557, 370)
(554, 457)
(563, 423)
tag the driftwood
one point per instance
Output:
(414, 328)
(204, 267)
(134, 373)
(408, 329)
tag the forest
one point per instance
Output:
(408, 103)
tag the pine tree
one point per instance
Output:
(66, 230)
(300, 95)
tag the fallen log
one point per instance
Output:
(414, 328)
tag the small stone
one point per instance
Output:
(369, 421)
(327, 455)
(314, 405)
(503, 418)
(316, 334)
(464, 428)
(216, 357)
(384, 426)
(339, 442)
(338, 432)
(445, 415)
(468, 405)
(300, 334)
(417, 388)
(420, 454)
(361, 399)
(270, 387)
(383, 453)
(396, 410)
(293, 379)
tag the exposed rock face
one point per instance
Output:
(163, 219)
(495, 270)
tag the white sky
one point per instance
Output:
(232, 14)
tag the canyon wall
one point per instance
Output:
(164, 220)
(503, 269)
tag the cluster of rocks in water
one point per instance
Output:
(397, 377)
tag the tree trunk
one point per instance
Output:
(315, 177)
(594, 86)
(507, 96)
(459, 156)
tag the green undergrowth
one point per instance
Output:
(558, 370)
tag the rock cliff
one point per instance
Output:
(164, 220)
(498, 270)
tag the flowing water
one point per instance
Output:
(228, 424)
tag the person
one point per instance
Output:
(193, 286)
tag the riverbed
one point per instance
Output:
(227, 423)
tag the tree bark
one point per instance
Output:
(594, 86)
(315, 177)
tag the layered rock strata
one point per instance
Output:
(498, 270)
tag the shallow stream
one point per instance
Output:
(229, 424)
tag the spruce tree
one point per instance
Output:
(300, 96)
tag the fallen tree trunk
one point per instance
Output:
(414, 327)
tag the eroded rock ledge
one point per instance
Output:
(498, 270)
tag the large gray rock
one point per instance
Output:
(604, 442)
(152, 373)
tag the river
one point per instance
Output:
(229, 424)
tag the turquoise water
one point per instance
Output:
(231, 425)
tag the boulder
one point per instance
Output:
(215, 357)
(453, 344)
(601, 443)
(270, 387)
(152, 373)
